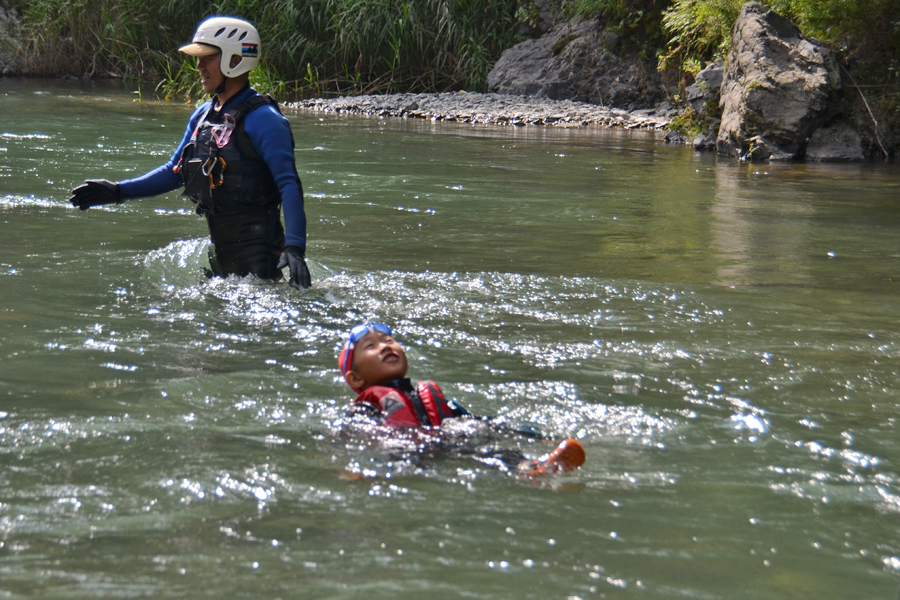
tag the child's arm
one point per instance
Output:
(500, 425)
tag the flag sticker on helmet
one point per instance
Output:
(230, 37)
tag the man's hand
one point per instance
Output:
(293, 257)
(95, 192)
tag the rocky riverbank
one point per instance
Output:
(493, 109)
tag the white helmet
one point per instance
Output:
(229, 36)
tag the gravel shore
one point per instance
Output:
(492, 109)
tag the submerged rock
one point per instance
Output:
(776, 89)
(840, 143)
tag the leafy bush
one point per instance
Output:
(856, 28)
(639, 22)
(701, 28)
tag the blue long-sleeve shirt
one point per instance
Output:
(270, 134)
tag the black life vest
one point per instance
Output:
(236, 192)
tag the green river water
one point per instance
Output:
(723, 339)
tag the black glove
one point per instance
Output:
(293, 257)
(95, 192)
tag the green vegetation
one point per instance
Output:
(322, 47)
(867, 29)
(638, 21)
(311, 47)
(688, 34)
(864, 33)
(701, 28)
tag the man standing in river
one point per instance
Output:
(236, 162)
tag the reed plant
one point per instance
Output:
(119, 38)
(310, 47)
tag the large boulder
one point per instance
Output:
(10, 61)
(776, 89)
(577, 60)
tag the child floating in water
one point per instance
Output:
(374, 365)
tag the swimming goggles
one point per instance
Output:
(357, 334)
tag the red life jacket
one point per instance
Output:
(424, 406)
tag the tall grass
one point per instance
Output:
(88, 38)
(310, 47)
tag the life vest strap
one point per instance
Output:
(431, 397)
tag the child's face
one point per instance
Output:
(377, 358)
